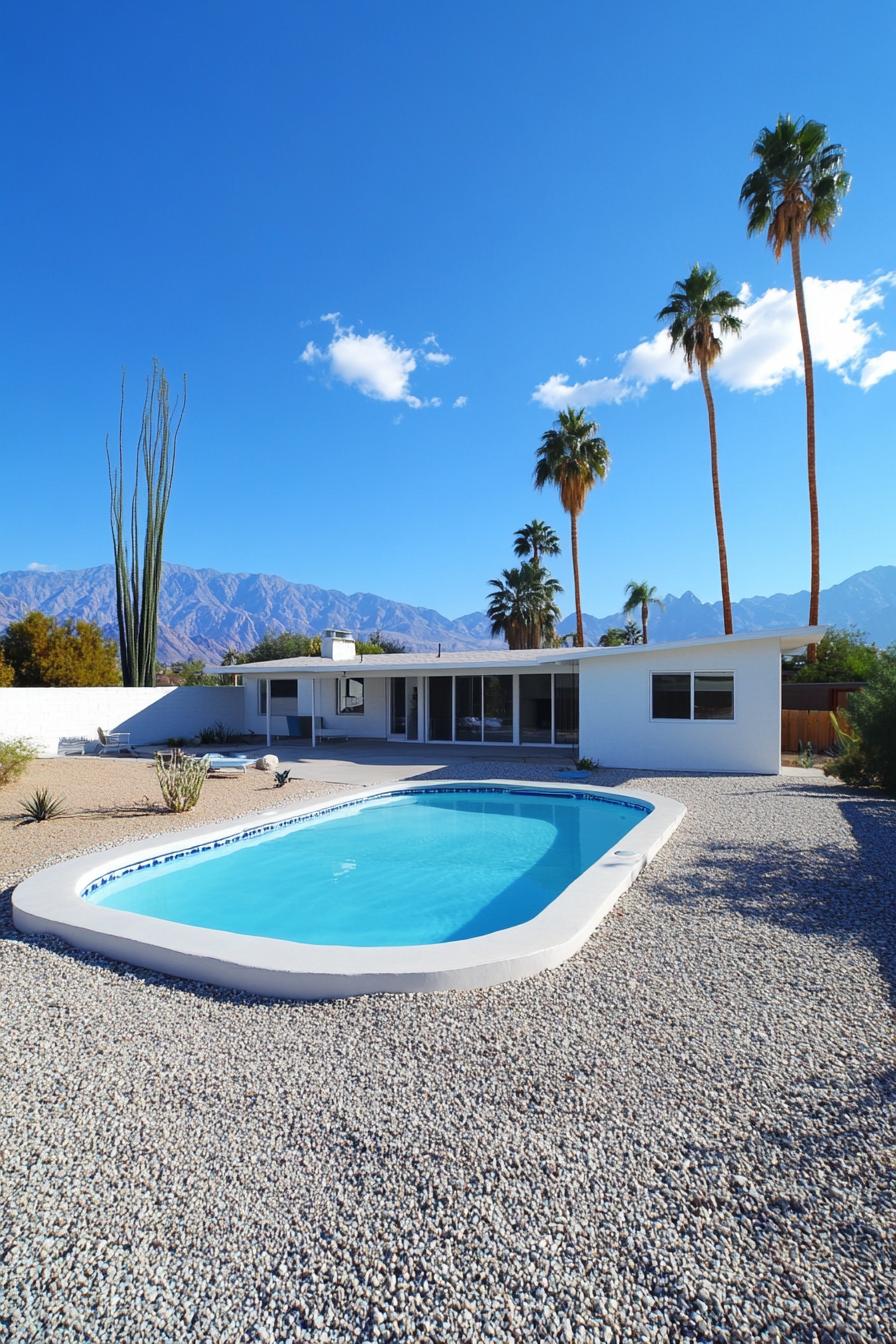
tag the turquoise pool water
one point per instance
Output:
(394, 870)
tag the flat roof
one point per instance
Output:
(787, 639)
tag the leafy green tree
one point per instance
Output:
(573, 458)
(612, 637)
(842, 655)
(868, 753)
(641, 597)
(285, 645)
(523, 607)
(701, 313)
(798, 189)
(191, 672)
(45, 652)
(536, 539)
(385, 644)
(7, 674)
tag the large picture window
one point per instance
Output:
(350, 695)
(698, 695)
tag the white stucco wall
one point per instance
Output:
(149, 714)
(615, 726)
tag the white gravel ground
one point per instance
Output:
(685, 1133)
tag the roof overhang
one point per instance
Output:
(788, 641)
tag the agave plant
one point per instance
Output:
(41, 806)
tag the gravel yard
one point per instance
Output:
(685, 1133)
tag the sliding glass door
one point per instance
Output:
(480, 708)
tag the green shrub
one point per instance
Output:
(216, 733)
(15, 754)
(868, 755)
(41, 806)
(181, 779)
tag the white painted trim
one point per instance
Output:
(50, 902)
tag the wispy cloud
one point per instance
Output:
(768, 352)
(458, 402)
(437, 357)
(38, 567)
(581, 360)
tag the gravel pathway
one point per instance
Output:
(685, 1133)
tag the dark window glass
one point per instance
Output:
(350, 695)
(566, 707)
(439, 709)
(284, 690)
(498, 707)
(535, 707)
(713, 695)
(398, 719)
(468, 709)
(262, 696)
(671, 695)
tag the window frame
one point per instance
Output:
(343, 682)
(692, 674)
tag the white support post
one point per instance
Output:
(267, 708)
(313, 715)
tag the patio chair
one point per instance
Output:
(217, 764)
(113, 743)
(325, 734)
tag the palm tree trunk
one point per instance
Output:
(644, 615)
(717, 500)
(574, 547)
(809, 375)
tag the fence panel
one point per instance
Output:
(801, 726)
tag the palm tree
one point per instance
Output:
(536, 539)
(523, 607)
(697, 307)
(572, 457)
(798, 188)
(644, 596)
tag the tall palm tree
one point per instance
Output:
(798, 188)
(572, 457)
(536, 539)
(523, 607)
(644, 596)
(701, 314)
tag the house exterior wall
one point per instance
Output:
(372, 723)
(615, 725)
(50, 714)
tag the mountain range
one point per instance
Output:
(203, 612)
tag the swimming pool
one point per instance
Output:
(417, 887)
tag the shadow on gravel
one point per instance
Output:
(825, 890)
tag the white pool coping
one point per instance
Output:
(51, 902)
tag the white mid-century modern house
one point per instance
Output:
(702, 704)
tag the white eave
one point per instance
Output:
(788, 640)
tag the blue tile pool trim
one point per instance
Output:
(269, 827)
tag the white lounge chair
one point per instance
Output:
(325, 734)
(113, 743)
(218, 763)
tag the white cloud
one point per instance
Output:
(38, 567)
(558, 392)
(881, 366)
(376, 364)
(581, 360)
(767, 353)
(458, 402)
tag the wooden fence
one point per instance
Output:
(802, 726)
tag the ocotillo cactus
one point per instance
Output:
(138, 577)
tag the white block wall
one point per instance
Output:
(149, 714)
(615, 726)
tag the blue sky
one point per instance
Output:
(205, 183)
